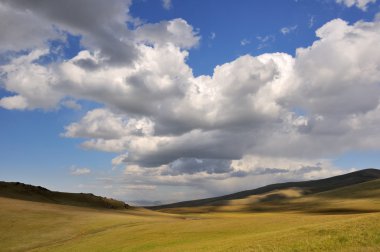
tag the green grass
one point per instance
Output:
(309, 223)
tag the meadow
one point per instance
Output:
(345, 219)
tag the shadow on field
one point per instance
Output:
(357, 199)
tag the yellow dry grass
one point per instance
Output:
(346, 219)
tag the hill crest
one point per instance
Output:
(308, 187)
(17, 190)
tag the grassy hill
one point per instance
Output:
(345, 218)
(36, 226)
(22, 191)
(359, 198)
(304, 187)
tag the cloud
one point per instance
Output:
(139, 187)
(361, 4)
(32, 82)
(79, 171)
(71, 104)
(13, 102)
(265, 41)
(168, 128)
(101, 123)
(340, 95)
(287, 30)
(145, 203)
(23, 29)
(176, 31)
(24, 75)
(227, 116)
(167, 4)
(244, 42)
(102, 24)
(311, 21)
(244, 174)
(193, 165)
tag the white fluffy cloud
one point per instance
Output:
(235, 111)
(265, 118)
(361, 4)
(101, 123)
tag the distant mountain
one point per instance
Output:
(146, 203)
(307, 187)
(22, 191)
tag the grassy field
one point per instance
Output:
(346, 219)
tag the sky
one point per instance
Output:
(158, 101)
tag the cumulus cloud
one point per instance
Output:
(102, 24)
(168, 127)
(176, 31)
(101, 123)
(227, 116)
(361, 4)
(23, 29)
(33, 83)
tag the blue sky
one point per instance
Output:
(129, 102)
(232, 23)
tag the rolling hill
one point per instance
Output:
(303, 188)
(336, 214)
(22, 191)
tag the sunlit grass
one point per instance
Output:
(294, 226)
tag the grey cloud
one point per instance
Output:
(194, 165)
(262, 171)
(145, 203)
(201, 185)
(176, 31)
(307, 169)
(277, 171)
(103, 23)
(196, 144)
(239, 174)
(87, 64)
(22, 30)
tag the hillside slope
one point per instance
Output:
(307, 187)
(35, 226)
(22, 191)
